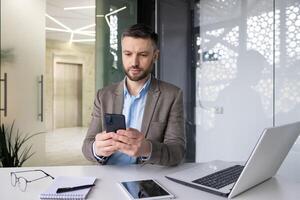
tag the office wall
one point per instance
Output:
(174, 65)
(247, 75)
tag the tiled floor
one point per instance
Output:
(63, 146)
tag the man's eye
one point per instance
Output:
(144, 55)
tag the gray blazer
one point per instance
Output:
(163, 120)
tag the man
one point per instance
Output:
(153, 110)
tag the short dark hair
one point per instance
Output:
(141, 31)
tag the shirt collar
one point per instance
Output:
(143, 90)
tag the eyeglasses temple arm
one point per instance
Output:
(29, 181)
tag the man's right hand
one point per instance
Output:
(104, 144)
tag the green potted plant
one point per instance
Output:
(7, 55)
(13, 149)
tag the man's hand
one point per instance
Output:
(132, 142)
(104, 144)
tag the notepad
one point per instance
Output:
(67, 181)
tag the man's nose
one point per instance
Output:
(134, 61)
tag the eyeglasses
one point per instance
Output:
(22, 182)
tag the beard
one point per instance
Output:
(143, 74)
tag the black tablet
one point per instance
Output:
(145, 189)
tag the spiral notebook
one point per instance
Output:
(68, 181)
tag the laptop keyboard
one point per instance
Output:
(221, 178)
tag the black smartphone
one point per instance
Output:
(114, 122)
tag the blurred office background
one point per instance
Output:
(237, 61)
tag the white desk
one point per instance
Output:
(106, 187)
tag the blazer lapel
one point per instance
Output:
(118, 98)
(152, 98)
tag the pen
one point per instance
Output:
(68, 189)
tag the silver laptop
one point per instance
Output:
(230, 179)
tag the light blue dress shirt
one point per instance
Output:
(133, 109)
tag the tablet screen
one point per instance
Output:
(144, 189)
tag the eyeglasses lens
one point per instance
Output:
(13, 179)
(22, 183)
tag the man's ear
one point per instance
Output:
(156, 54)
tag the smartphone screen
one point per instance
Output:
(114, 122)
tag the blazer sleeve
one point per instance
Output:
(172, 150)
(94, 128)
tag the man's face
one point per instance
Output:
(138, 56)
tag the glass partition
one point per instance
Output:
(112, 17)
(287, 73)
(287, 61)
(22, 68)
(54, 56)
(247, 73)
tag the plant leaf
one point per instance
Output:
(13, 150)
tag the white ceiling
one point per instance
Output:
(73, 19)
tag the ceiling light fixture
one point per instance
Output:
(57, 29)
(84, 40)
(90, 32)
(78, 31)
(85, 27)
(58, 22)
(71, 37)
(87, 33)
(79, 7)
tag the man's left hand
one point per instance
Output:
(132, 142)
